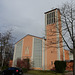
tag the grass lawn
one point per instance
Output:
(36, 72)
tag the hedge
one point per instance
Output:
(60, 66)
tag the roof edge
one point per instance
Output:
(51, 10)
(29, 35)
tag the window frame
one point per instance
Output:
(51, 17)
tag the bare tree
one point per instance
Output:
(68, 27)
(6, 45)
(66, 31)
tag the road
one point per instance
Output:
(23, 74)
(0, 72)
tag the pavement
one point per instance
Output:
(0, 72)
(23, 74)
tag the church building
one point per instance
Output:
(43, 52)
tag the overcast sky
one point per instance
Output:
(25, 16)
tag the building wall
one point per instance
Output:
(66, 54)
(18, 49)
(71, 56)
(51, 50)
(60, 37)
(17, 52)
(32, 49)
(37, 53)
(43, 53)
(27, 47)
(54, 50)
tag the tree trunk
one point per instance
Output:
(1, 53)
(74, 58)
(74, 63)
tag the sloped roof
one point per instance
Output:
(32, 36)
(51, 10)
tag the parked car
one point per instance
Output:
(12, 71)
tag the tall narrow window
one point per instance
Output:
(51, 18)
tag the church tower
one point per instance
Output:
(54, 44)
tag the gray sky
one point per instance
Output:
(25, 16)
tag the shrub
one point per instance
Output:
(23, 63)
(60, 66)
(24, 70)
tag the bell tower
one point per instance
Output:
(54, 43)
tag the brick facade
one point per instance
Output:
(44, 52)
(54, 44)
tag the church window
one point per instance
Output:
(51, 18)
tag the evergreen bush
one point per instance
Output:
(60, 66)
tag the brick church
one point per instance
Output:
(43, 52)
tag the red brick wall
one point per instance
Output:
(27, 42)
(51, 53)
(66, 55)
